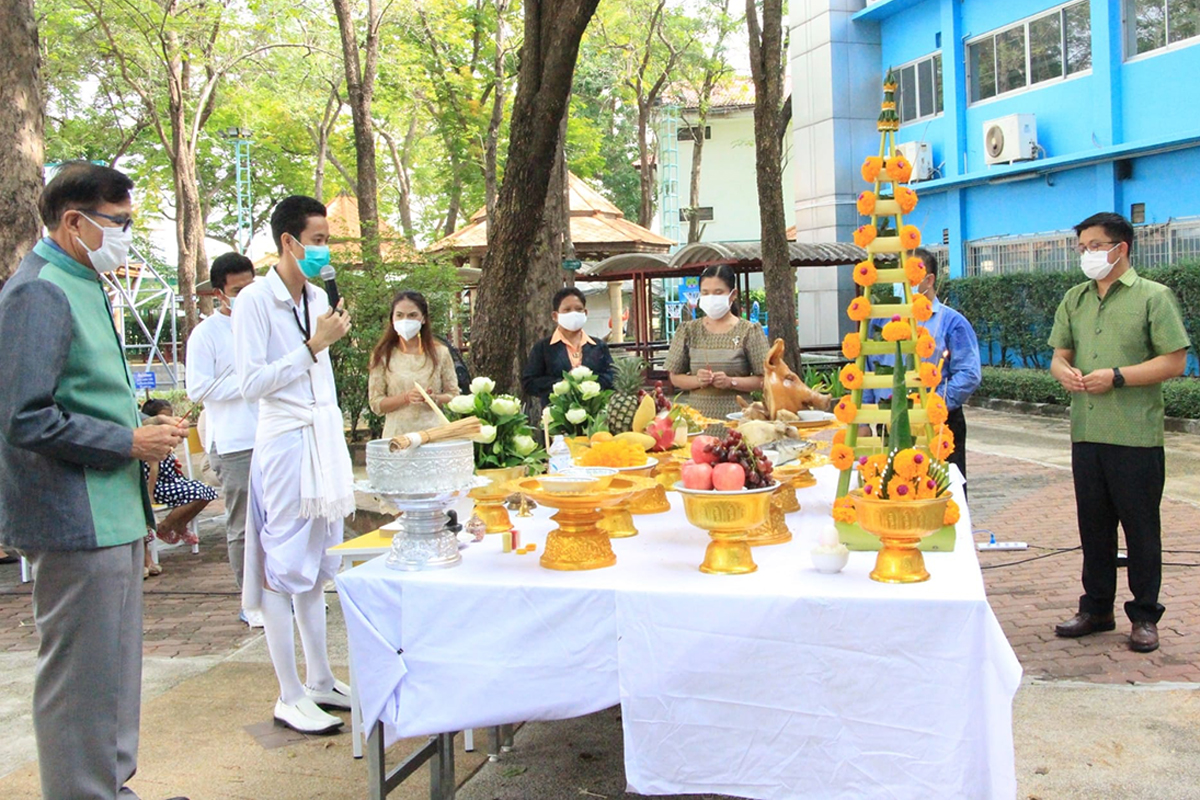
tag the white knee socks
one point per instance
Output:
(310, 617)
(281, 644)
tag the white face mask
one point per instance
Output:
(1095, 264)
(407, 328)
(114, 248)
(715, 305)
(572, 320)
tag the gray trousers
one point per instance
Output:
(87, 688)
(234, 471)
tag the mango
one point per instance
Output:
(640, 439)
(646, 412)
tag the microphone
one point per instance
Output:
(329, 275)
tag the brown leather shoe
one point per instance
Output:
(1083, 624)
(1144, 638)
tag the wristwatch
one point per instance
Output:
(733, 382)
(1118, 378)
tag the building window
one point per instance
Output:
(919, 94)
(1050, 46)
(1154, 24)
(688, 134)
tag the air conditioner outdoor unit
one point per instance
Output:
(920, 156)
(1011, 138)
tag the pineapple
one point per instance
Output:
(627, 383)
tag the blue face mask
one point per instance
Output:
(316, 257)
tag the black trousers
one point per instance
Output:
(1114, 483)
(957, 423)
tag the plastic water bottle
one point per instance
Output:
(560, 455)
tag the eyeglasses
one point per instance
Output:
(124, 223)
(1095, 247)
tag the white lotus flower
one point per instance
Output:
(524, 445)
(505, 405)
(487, 434)
(582, 373)
(561, 388)
(589, 389)
(577, 416)
(546, 416)
(463, 404)
(483, 385)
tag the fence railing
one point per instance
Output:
(1054, 251)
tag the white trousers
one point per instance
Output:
(283, 548)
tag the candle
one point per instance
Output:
(942, 360)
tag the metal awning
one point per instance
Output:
(694, 258)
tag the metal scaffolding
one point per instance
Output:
(141, 295)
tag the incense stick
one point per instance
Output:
(433, 405)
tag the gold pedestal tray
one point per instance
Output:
(670, 466)
(578, 542)
(775, 529)
(787, 498)
(489, 500)
(900, 526)
(728, 517)
(618, 521)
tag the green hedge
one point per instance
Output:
(1181, 396)
(1015, 312)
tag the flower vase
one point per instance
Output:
(900, 526)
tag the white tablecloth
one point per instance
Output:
(785, 683)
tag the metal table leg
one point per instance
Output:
(438, 751)
(356, 721)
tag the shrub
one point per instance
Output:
(1181, 396)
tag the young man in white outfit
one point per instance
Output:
(229, 435)
(301, 480)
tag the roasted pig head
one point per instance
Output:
(783, 389)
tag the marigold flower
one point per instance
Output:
(843, 510)
(871, 467)
(936, 411)
(866, 203)
(897, 331)
(942, 445)
(925, 346)
(952, 514)
(845, 410)
(922, 330)
(840, 437)
(842, 457)
(899, 488)
(914, 270)
(926, 488)
(872, 488)
(907, 199)
(910, 237)
(910, 464)
(866, 234)
(860, 309)
(851, 346)
(871, 169)
(899, 169)
(865, 274)
(851, 376)
(930, 375)
(922, 309)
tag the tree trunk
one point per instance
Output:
(360, 88)
(21, 157)
(400, 167)
(545, 267)
(564, 198)
(779, 277)
(553, 29)
(646, 173)
(454, 200)
(492, 144)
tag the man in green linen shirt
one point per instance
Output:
(1116, 338)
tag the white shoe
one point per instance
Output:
(253, 618)
(305, 717)
(338, 697)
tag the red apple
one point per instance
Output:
(697, 476)
(729, 477)
(698, 445)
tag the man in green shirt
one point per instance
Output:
(1116, 338)
(72, 499)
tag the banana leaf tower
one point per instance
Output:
(889, 243)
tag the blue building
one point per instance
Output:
(1034, 115)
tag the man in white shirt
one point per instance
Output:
(301, 480)
(229, 435)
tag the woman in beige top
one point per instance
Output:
(720, 356)
(406, 356)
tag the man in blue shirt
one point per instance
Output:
(961, 372)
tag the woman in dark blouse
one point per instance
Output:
(565, 349)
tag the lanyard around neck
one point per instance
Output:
(306, 328)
